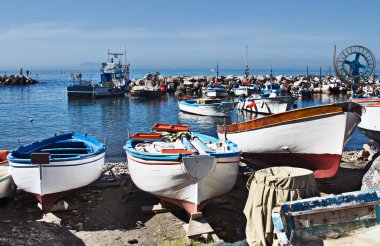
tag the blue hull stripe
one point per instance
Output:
(52, 165)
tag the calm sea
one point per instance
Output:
(30, 113)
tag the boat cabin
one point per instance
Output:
(208, 100)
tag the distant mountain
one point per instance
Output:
(90, 65)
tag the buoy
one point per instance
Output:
(163, 89)
(252, 104)
(30, 120)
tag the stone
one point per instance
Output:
(132, 241)
(371, 180)
(79, 227)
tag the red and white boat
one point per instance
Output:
(182, 167)
(370, 124)
(311, 138)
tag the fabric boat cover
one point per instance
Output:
(267, 188)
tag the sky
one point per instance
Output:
(165, 34)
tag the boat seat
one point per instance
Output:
(63, 155)
(66, 150)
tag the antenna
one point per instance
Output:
(246, 63)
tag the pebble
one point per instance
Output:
(132, 241)
(79, 227)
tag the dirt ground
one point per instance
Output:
(100, 214)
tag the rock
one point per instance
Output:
(364, 153)
(132, 241)
(79, 227)
(371, 180)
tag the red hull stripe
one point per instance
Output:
(154, 162)
(173, 163)
(323, 165)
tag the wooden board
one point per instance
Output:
(170, 127)
(147, 136)
(335, 217)
(159, 208)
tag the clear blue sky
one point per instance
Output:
(185, 33)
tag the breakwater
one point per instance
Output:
(16, 80)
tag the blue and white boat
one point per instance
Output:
(302, 221)
(217, 91)
(56, 166)
(182, 167)
(114, 79)
(207, 106)
(266, 103)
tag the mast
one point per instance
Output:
(246, 64)
(217, 71)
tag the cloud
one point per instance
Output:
(58, 30)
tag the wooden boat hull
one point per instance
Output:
(223, 109)
(146, 93)
(90, 92)
(53, 167)
(6, 182)
(50, 182)
(266, 105)
(370, 124)
(299, 222)
(173, 182)
(311, 138)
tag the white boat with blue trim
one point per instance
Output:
(267, 103)
(56, 166)
(182, 167)
(207, 106)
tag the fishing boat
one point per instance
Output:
(311, 138)
(152, 87)
(182, 167)
(370, 123)
(114, 78)
(207, 106)
(341, 217)
(146, 91)
(6, 182)
(56, 166)
(217, 91)
(266, 103)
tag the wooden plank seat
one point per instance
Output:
(67, 150)
(147, 136)
(170, 127)
(178, 151)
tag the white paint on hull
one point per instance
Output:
(267, 105)
(207, 109)
(371, 119)
(174, 181)
(57, 176)
(6, 182)
(322, 135)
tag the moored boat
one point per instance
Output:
(56, 166)
(266, 104)
(217, 91)
(207, 106)
(6, 182)
(182, 167)
(146, 91)
(114, 78)
(370, 123)
(311, 138)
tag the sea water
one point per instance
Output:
(34, 112)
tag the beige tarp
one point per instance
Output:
(267, 188)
